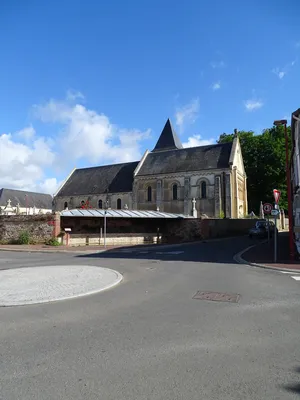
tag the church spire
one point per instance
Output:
(168, 139)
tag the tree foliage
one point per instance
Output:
(264, 160)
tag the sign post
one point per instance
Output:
(267, 209)
(275, 213)
(104, 237)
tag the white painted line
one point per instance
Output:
(169, 252)
(289, 272)
(297, 278)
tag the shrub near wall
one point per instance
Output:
(39, 227)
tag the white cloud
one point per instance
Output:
(253, 104)
(281, 72)
(21, 165)
(195, 140)
(187, 114)
(26, 133)
(217, 64)
(80, 134)
(216, 86)
(90, 135)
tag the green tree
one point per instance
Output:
(264, 159)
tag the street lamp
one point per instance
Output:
(289, 188)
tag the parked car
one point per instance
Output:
(260, 229)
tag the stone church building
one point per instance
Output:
(208, 180)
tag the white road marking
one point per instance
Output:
(169, 252)
(289, 272)
(297, 278)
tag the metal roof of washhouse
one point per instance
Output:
(110, 213)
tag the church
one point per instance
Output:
(197, 181)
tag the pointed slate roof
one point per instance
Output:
(168, 139)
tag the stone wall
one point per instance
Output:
(214, 228)
(198, 229)
(39, 227)
(188, 188)
(111, 239)
(75, 201)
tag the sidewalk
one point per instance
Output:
(42, 248)
(263, 254)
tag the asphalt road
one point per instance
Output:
(147, 338)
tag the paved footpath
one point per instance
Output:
(263, 254)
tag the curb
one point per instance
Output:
(159, 246)
(240, 260)
(50, 251)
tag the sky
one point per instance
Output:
(86, 83)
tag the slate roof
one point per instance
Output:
(189, 159)
(114, 178)
(168, 139)
(39, 200)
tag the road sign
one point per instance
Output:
(274, 213)
(277, 195)
(267, 207)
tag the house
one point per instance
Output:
(295, 175)
(208, 180)
(21, 202)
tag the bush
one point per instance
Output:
(24, 238)
(53, 242)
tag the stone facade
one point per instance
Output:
(71, 202)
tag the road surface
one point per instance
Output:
(148, 338)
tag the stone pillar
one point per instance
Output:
(56, 224)
(159, 194)
(218, 202)
(228, 195)
(186, 204)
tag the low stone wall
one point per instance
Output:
(214, 228)
(40, 227)
(198, 229)
(111, 239)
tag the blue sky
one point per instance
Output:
(92, 82)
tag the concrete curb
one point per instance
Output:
(142, 248)
(240, 260)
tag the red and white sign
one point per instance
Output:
(277, 194)
(267, 207)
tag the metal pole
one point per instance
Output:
(268, 229)
(104, 237)
(275, 239)
(289, 192)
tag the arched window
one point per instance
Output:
(100, 204)
(175, 192)
(119, 204)
(66, 205)
(203, 190)
(149, 193)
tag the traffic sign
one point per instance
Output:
(277, 194)
(274, 213)
(267, 207)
